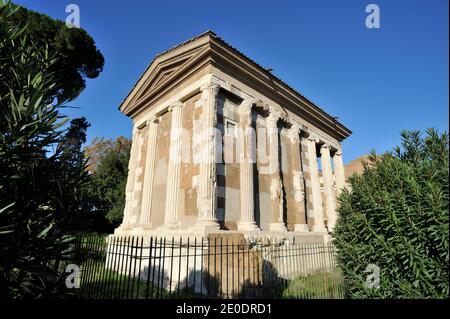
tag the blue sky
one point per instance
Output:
(377, 81)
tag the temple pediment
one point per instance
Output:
(163, 72)
(182, 62)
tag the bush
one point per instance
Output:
(37, 179)
(396, 216)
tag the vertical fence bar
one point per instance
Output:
(109, 266)
(202, 260)
(124, 270)
(116, 266)
(161, 286)
(130, 266)
(186, 287)
(208, 273)
(214, 276)
(104, 274)
(85, 256)
(96, 268)
(171, 269)
(227, 268)
(140, 267)
(195, 264)
(220, 286)
(110, 260)
(122, 262)
(232, 268)
(154, 267)
(149, 267)
(134, 258)
(179, 267)
(86, 249)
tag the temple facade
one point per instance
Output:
(222, 145)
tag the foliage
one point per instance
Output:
(109, 165)
(37, 179)
(396, 216)
(78, 57)
(100, 147)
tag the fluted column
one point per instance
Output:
(173, 172)
(247, 222)
(276, 188)
(130, 179)
(327, 174)
(339, 173)
(317, 207)
(298, 181)
(147, 191)
(207, 219)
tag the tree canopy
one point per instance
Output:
(108, 163)
(78, 56)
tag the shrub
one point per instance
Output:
(396, 216)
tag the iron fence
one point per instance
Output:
(215, 267)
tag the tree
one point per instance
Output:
(37, 179)
(78, 57)
(100, 147)
(396, 217)
(71, 148)
(109, 166)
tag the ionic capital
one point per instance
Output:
(272, 119)
(211, 87)
(338, 152)
(175, 105)
(294, 133)
(153, 119)
(312, 138)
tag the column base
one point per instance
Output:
(146, 226)
(205, 226)
(319, 229)
(170, 226)
(301, 228)
(123, 228)
(277, 227)
(247, 226)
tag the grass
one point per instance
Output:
(319, 285)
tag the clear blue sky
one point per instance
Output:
(377, 81)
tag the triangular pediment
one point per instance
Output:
(172, 67)
(164, 69)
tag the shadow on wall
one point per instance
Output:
(200, 284)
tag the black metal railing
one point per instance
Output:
(215, 267)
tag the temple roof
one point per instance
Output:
(342, 131)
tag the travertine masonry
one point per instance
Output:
(220, 144)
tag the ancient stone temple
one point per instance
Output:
(222, 145)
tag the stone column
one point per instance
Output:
(317, 207)
(298, 181)
(147, 191)
(174, 167)
(327, 174)
(276, 187)
(207, 220)
(247, 222)
(339, 171)
(130, 179)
